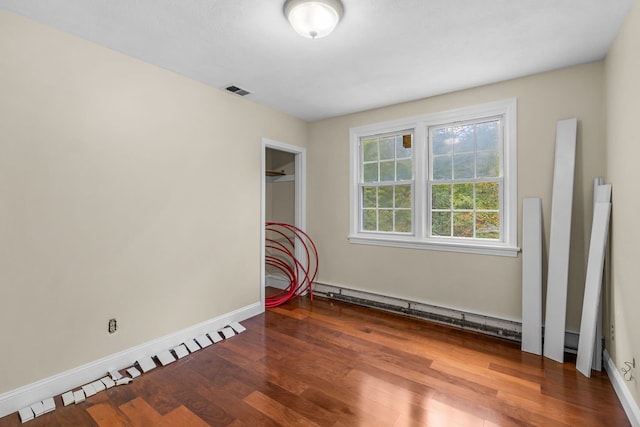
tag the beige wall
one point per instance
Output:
(125, 191)
(281, 201)
(477, 283)
(280, 194)
(623, 145)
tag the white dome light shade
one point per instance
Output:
(313, 18)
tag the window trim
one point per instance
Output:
(420, 125)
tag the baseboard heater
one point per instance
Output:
(470, 321)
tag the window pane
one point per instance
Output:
(442, 167)
(441, 196)
(369, 220)
(463, 166)
(487, 134)
(370, 152)
(488, 195)
(404, 170)
(488, 225)
(387, 146)
(442, 141)
(463, 224)
(403, 221)
(387, 160)
(488, 164)
(385, 217)
(441, 223)
(464, 139)
(369, 197)
(387, 172)
(385, 196)
(463, 196)
(371, 172)
(403, 196)
(401, 151)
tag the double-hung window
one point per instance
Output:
(443, 181)
(386, 186)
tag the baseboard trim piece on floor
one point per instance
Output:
(503, 328)
(54, 385)
(624, 395)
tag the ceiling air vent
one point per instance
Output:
(237, 90)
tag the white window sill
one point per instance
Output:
(457, 246)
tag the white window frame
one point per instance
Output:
(419, 239)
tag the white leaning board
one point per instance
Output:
(593, 287)
(559, 242)
(597, 349)
(532, 276)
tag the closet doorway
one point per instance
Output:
(283, 199)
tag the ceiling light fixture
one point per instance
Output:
(313, 18)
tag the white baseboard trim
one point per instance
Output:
(571, 339)
(21, 397)
(276, 281)
(624, 395)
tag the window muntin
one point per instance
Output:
(386, 183)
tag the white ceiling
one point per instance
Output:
(383, 52)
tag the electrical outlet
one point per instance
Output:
(613, 333)
(113, 325)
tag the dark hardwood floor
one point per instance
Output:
(333, 364)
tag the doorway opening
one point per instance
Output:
(283, 200)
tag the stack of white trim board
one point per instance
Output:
(590, 340)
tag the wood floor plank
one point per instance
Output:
(486, 377)
(194, 391)
(335, 386)
(432, 379)
(556, 409)
(279, 377)
(296, 313)
(106, 415)
(438, 414)
(181, 416)
(245, 383)
(210, 378)
(251, 350)
(455, 392)
(277, 411)
(412, 407)
(140, 412)
(299, 404)
(328, 363)
(348, 413)
(529, 373)
(157, 390)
